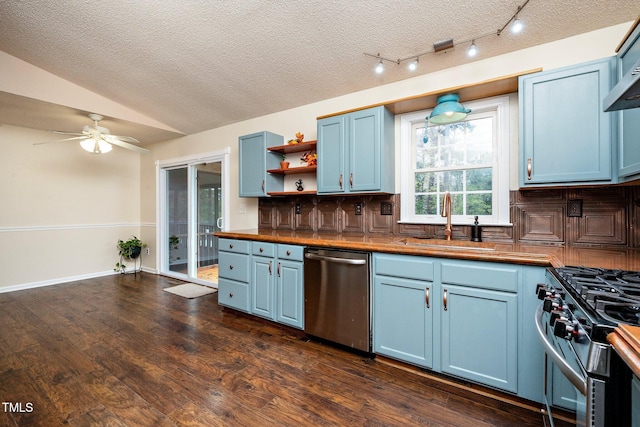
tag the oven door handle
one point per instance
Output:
(578, 380)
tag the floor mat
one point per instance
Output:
(191, 290)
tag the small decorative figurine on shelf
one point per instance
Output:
(297, 140)
(299, 185)
(310, 157)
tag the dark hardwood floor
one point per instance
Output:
(119, 351)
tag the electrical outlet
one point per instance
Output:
(358, 208)
(146, 251)
(386, 208)
(298, 208)
(574, 208)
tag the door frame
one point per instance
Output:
(162, 235)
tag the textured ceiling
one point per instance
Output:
(200, 64)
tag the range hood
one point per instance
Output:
(626, 93)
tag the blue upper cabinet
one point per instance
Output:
(254, 160)
(565, 136)
(629, 120)
(356, 152)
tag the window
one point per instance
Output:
(469, 159)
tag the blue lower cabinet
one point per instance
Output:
(233, 294)
(289, 292)
(234, 274)
(403, 291)
(263, 287)
(403, 319)
(635, 402)
(273, 282)
(479, 339)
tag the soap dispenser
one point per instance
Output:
(476, 231)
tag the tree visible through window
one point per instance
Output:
(460, 158)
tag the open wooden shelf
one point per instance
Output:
(294, 148)
(291, 171)
(293, 193)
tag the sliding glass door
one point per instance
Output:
(191, 209)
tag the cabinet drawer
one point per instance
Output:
(481, 275)
(294, 253)
(231, 245)
(233, 294)
(263, 249)
(234, 266)
(407, 266)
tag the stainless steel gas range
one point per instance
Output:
(583, 374)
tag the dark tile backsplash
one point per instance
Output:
(604, 216)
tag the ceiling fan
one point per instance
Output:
(97, 139)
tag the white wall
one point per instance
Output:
(63, 209)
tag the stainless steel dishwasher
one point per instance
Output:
(336, 297)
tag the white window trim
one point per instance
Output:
(500, 160)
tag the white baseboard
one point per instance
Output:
(61, 280)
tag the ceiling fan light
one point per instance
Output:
(95, 146)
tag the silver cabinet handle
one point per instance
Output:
(335, 259)
(427, 297)
(230, 267)
(269, 267)
(288, 252)
(351, 180)
(263, 185)
(529, 168)
(230, 294)
(444, 300)
(340, 180)
(278, 269)
(261, 249)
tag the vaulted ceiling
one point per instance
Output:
(195, 65)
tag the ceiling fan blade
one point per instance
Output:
(123, 138)
(59, 132)
(119, 143)
(60, 140)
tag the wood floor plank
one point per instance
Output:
(119, 351)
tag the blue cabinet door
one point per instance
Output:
(289, 291)
(479, 339)
(629, 126)
(403, 319)
(331, 155)
(565, 136)
(635, 402)
(364, 150)
(254, 160)
(262, 287)
(356, 152)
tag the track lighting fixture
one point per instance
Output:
(516, 27)
(473, 49)
(444, 46)
(380, 67)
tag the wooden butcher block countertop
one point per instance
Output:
(626, 341)
(515, 253)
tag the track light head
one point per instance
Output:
(380, 67)
(473, 49)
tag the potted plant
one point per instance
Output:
(128, 249)
(284, 164)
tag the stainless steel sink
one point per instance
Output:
(446, 244)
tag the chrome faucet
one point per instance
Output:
(446, 212)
